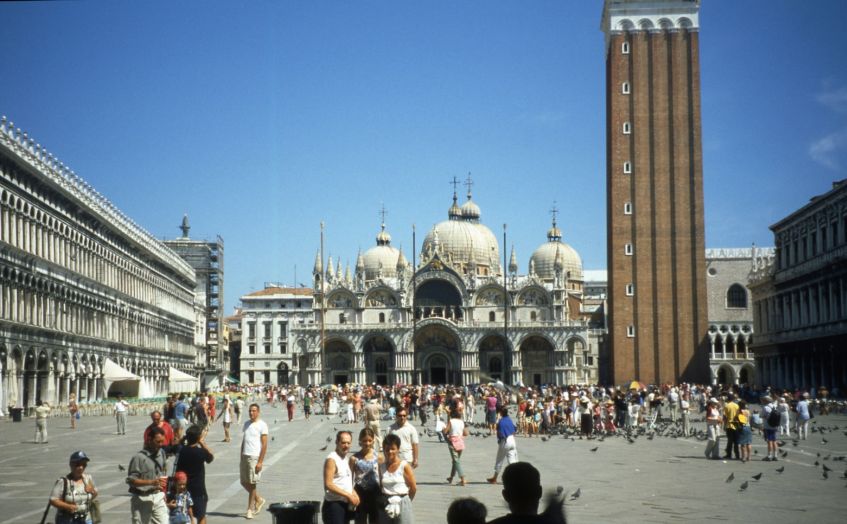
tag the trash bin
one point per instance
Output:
(297, 512)
(16, 414)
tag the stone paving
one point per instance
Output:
(659, 480)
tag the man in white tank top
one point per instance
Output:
(339, 496)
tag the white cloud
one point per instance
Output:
(835, 99)
(827, 150)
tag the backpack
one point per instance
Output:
(773, 418)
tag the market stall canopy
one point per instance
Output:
(119, 381)
(179, 382)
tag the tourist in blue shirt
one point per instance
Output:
(180, 410)
(507, 451)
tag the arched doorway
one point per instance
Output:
(438, 369)
(437, 355)
(536, 360)
(282, 374)
(492, 357)
(379, 359)
(746, 375)
(339, 361)
(725, 376)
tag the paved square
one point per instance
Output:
(659, 480)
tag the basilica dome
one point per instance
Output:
(462, 239)
(553, 253)
(381, 260)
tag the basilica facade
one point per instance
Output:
(456, 315)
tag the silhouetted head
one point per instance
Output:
(522, 488)
(466, 511)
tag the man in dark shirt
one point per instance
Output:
(201, 415)
(192, 459)
(522, 492)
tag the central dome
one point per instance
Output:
(462, 239)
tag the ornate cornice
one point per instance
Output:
(60, 177)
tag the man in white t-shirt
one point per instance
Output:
(409, 437)
(121, 407)
(254, 445)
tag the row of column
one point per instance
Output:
(808, 372)
(818, 303)
(734, 341)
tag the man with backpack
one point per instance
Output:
(770, 416)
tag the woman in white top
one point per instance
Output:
(397, 479)
(226, 413)
(339, 496)
(782, 407)
(456, 433)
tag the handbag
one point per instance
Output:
(457, 442)
(94, 511)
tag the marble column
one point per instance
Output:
(50, 393)
(31, 384)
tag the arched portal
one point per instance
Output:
(725, 375)
(437, 355)
(746, 375)
(536, 360)
(492, 357)
(438, 298)
(282, 374)
(339, 361)
(379, 360)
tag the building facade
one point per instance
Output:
(800, 298)
(207, 259)
(655, 228)
(459, 315)
(269, 318)
(731, 326)
(81, 284)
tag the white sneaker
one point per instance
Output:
(249, 514)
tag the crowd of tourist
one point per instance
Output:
(376, 483)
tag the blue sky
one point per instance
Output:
(260, 119)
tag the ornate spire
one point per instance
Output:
(554, 234)
(513, 261)
(360, 263)
(557, 262)
(185, 226)
(318, 269)
(455, 212)
(340, 274)
(330, 270)
(402, 263)
(348, 277)
(470, 211)
(383, 238)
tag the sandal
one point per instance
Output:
(449, 480)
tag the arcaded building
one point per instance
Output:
(88, 298)
(731, 326)
(800, 297)
(654, 182)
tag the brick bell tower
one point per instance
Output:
(654, 192)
